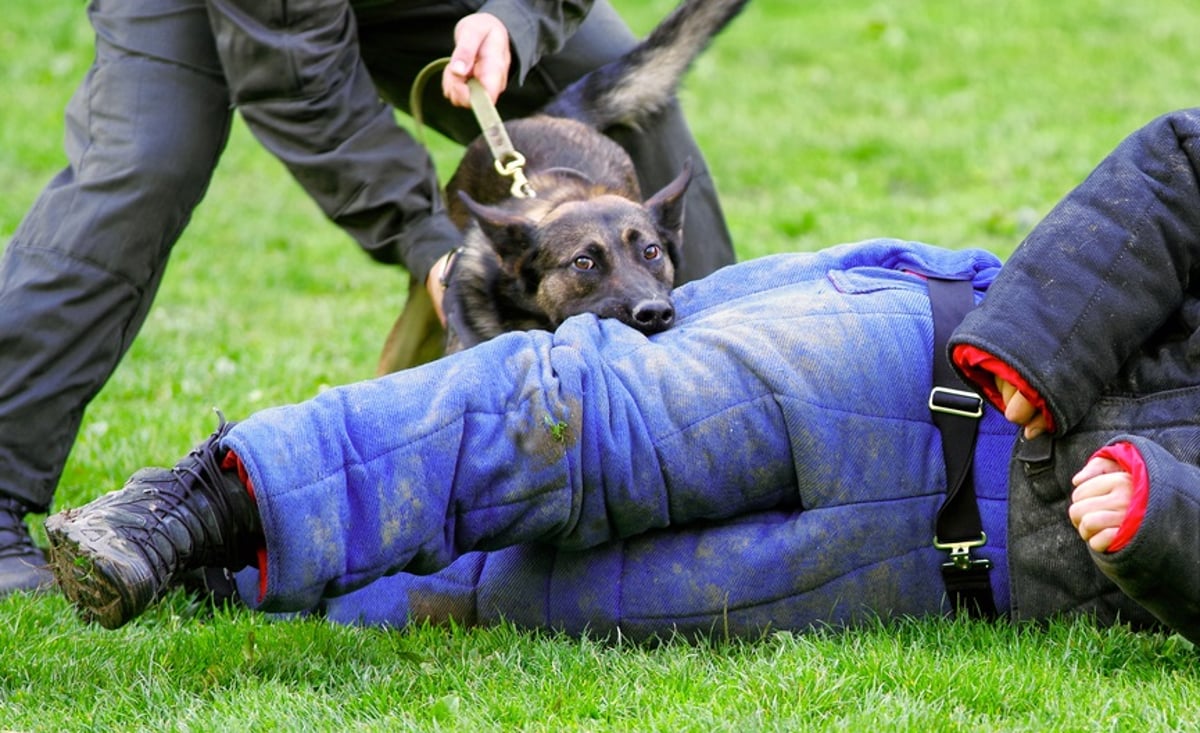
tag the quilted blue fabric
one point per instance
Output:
(768, 463)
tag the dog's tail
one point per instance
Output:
(640, 83)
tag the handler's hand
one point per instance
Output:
(481, 51)
(435, 288)
(1100, 501)
(1019, 411)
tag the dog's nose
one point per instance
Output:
(652, 316)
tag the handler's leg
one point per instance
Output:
(144, 131)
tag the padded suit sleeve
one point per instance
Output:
(1104, 271)
(1158, 567)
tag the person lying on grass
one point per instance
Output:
(770, 463)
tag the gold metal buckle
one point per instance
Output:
(960, 553)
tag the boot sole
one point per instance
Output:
(98, 588)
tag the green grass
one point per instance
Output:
(957, 123)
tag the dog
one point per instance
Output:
(586, 241)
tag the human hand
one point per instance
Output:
(481, 51)
(1100, 501)
(1019, 411)
(435, 288)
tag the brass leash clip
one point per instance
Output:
(509, 162)
(515, 167)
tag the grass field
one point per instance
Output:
(956, 123)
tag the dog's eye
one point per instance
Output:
(584, 263)
(652, 252)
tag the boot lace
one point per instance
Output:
(200, 474)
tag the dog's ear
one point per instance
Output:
(666, 206)
(511, 234)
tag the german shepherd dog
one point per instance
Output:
(586, 241)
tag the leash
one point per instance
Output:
(956, 412)
(509, 162)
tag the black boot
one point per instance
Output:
(22, 563)
(213, 587)
(118, 554)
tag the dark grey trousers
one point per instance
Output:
(144, 133)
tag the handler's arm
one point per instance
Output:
(298, 78)
(537, 28)
(485, 43)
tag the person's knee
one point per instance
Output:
(148, 125)
(165, 170)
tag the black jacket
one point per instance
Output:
(1098, 310)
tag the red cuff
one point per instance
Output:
(982, 369)
(1130, 461)
(232, 462)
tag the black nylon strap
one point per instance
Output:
(956, 411)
